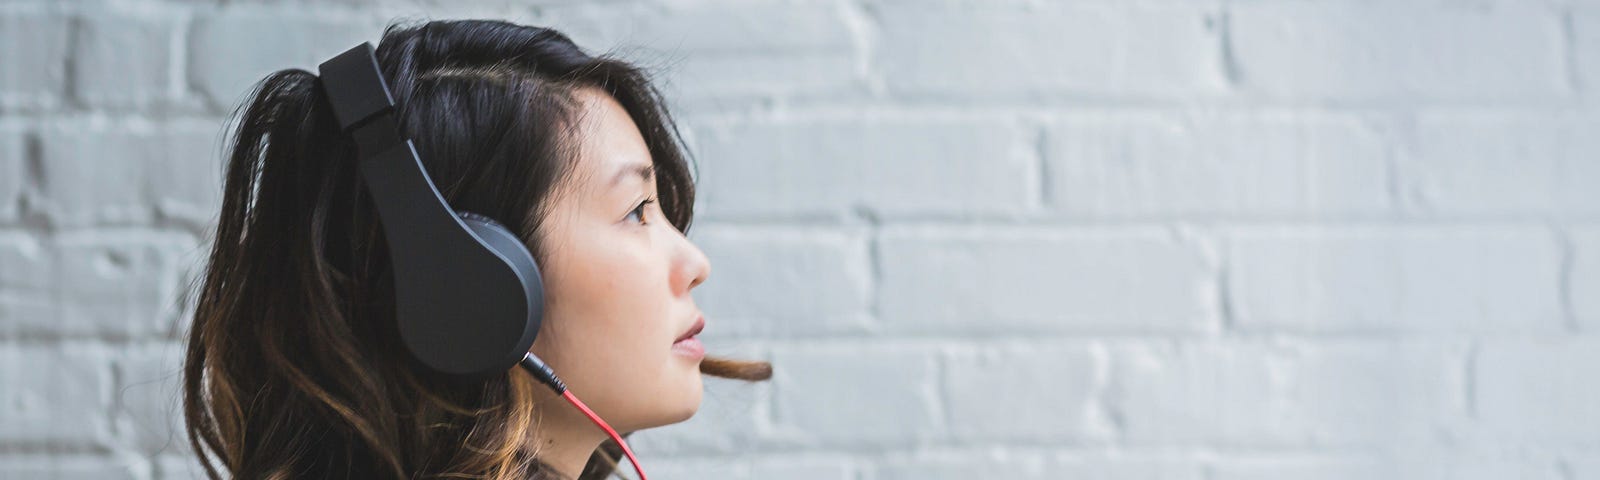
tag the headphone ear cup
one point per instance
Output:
(509, 246)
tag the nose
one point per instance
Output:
(692, 266)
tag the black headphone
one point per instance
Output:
(468, 295)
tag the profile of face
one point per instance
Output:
(617, 279)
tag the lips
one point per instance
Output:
(699, 324)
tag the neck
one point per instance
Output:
(566, 438)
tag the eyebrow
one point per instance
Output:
(645, 171)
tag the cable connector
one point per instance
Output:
(542, 372)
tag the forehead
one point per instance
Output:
(608, 140)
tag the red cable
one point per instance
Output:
(613, 433)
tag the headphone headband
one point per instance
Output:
(355, 85)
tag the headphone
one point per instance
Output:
(468, 295)
(469, 298)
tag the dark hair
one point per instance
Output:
(294, 368)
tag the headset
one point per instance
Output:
(469, 298)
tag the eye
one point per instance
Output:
(639, 211)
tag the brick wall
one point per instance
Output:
(1197, 240)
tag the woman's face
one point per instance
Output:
(617, 280)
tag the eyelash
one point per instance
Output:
(640, 210)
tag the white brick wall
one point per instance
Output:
(1402, 53)
(1214, 240)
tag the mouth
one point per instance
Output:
(699, 324)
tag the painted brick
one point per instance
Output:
(1504, 165)
(1029, 281)
(1583, 289)
(13, 173)
(1209, 165)
(711, 53)
(55, 395)
(1346, 51)
(126, 60)
(35, 46)
(99, 173)
(991, 51)
(1061, 382)
(785, 282)
(892, 395)
(1466, 279)
(1330, 393)
(112, 284)
(833, 168)
(231, 50)
(1539, 389)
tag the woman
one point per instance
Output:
(294, 368)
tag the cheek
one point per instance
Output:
(609, 301)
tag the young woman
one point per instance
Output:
(294, 368)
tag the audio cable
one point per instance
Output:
(544, 374)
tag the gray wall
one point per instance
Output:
(1218, 240)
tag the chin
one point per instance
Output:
(685, 403)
